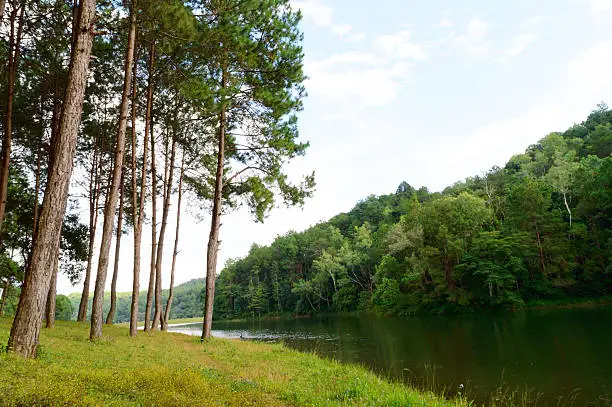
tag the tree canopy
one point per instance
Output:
(538, 228)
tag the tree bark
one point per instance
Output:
(162, 233)
(113, 304)
(2, 5)
(5, 291)
(175, 251)
(215, 224)
(138, 218)
(51, 296)
(13, 63)
(168, 177)
(38, 168)
(111, 203)
(28, 319)
(36, 189)
(568, 208)
(152, 271)
(150, 291)
(94, 200)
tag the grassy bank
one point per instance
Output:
(172, 369)
(170, 322)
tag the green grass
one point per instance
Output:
(184, 320)
(172, 321)
(172, 369)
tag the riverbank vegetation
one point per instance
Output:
(172, 369)
(535, 231)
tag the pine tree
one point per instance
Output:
(111, 202)
(253, 84)
(28, 319)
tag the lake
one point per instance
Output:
(545, 354)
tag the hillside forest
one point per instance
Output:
(536, 229)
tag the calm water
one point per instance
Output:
(554, 353)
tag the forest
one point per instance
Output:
(116, 113)
(188, 302)
(536, 229)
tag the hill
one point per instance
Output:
(536, 229)
(188, 302)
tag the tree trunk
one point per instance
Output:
(540, 249)
(2, 5)
(568, 208)
(5, 291)
(94, 200)
(150, 292)
(111, 203)
(51, 296)
(38, 168)
(175, 252)
(28, 319)
(13, 63)
(138, 218)
(215, 224)
(113, 304)
(162, 233)
(36, 190)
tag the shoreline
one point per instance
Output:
(173, 369)
(532, 306)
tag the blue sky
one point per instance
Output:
(429, 92)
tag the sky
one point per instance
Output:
(427, 92)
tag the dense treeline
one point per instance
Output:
(111, 112)
(537, 228)
(188, 302)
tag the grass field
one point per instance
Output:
(166, 369)
(170, 322)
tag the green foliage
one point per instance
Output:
(244, 74)
(386, 296)
(187, 302)
(17, 231)
(63, 308)
(497, 241)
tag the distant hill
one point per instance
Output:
(537, 229)
(188, 302)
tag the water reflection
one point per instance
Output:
(554, 353)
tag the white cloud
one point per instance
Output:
(445, 23)
(352, 81)
(355, 86)
(322, 15)
(356, 37)
(473, 41)
(341, 29)
(519, 44)
(592, 69)
(399, 45)
(599, 6)
(351, 57)
(533, 21)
